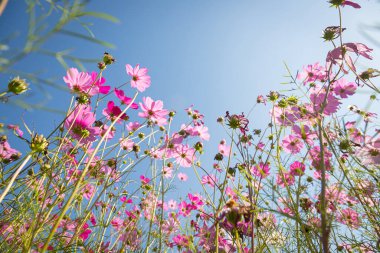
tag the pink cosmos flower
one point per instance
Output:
(297, 168)
(126, 144)
(133, 126)
(140, 79)
(172, 204)
(260, 170)
(285, 117)
(285, 179)
(97, 85)
(183, 177)
(7, 154)
(111, 133)
(80, 122)
(16, 129)
(117, 223)
(167, 171)
(304, 132)
(209, 179)
(292, 144)
(125, 100)
(318, 97)
(350, 3)
(154, 111)
(223, 148)
(144, 180)
(312, 73)
(112, 112)
(85, 232)
(202, 132)
(184, 155)
(343, 88)
(88, 191)
(78, 82)
(349, 217)
(369, 154)
(336, 57)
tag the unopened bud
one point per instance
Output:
(17, 86)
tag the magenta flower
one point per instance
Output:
(318, 97)
(343, 88)
(140, 79)
(352, 4)
(154, 111)
(80, 122)
(125, 100)
(78, 82)
(297, 168)
(292, 144)
(112, 112)
(85, 232)
(97, 85)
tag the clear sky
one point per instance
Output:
(218, 54)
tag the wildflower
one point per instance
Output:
(260, 170)
(349, 217)
(7, 154)
(125, 100)
(184, 155)
(292, 144)
(183, 177)
(140, 79)
(88, 191)
(78, 82)
(16, 129)
(133, 126)
(154, 111)
(209, 179)
(297, 168)
(312, 73)
(112, 112)
(126, 144)
(343, 88)
(80, 122)
(97, 85)
(223, 148)
(285, 179)
(237, 121)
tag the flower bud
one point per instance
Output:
(17, 86)
(39, 143)
(108, 59)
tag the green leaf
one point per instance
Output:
(84, 37)
(100, 15)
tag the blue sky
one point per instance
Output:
(217, 55)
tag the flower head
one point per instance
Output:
(140, 79)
